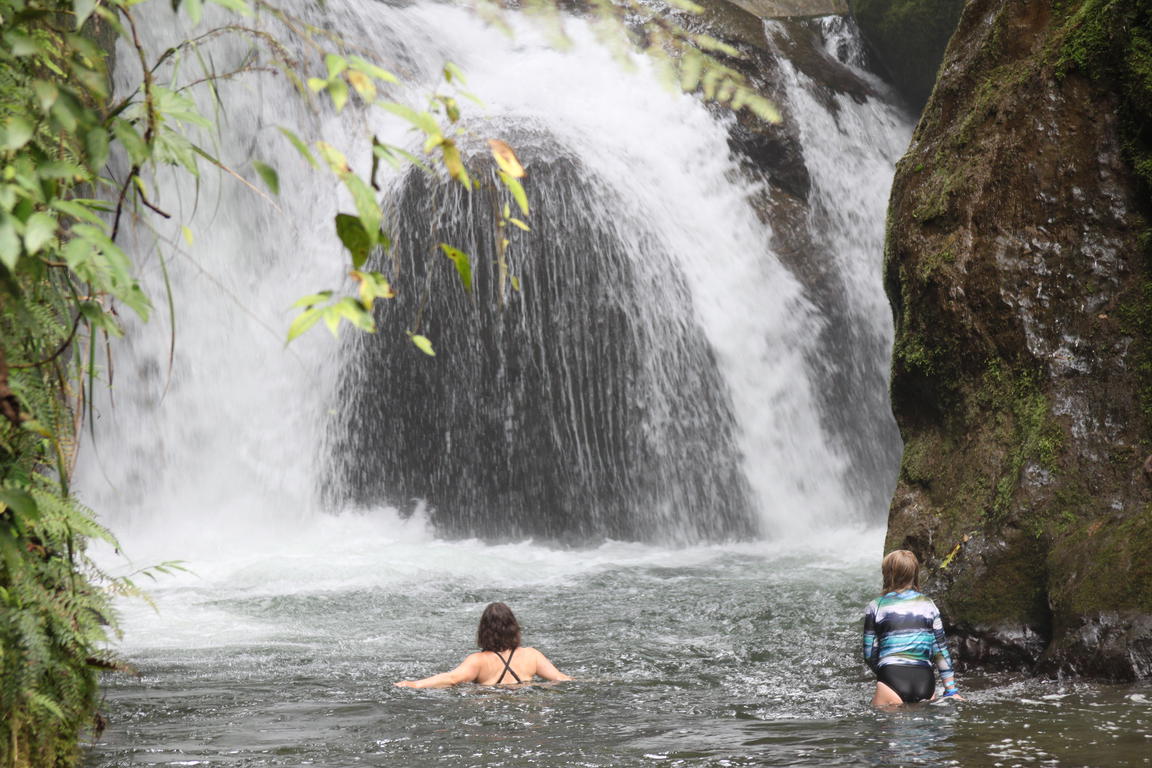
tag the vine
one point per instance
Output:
(66, 279)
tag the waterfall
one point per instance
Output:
(667, 372)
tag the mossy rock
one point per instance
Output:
(1022, 368)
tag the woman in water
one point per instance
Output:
(904, 637)
(501, 660)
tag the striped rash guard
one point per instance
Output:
(905, 628)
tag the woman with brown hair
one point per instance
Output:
(501, 660)
(904, 637)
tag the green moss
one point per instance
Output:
(915, 356)
(1114, 564)
(1033, 437)
(935, 194)
(1110, 41)
(1012, 588)
(933, 263)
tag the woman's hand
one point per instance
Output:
(406, 684)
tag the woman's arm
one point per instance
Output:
(468, 671)
(941, 656)
(871, 646)
(547, 669)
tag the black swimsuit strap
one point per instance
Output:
(507, 669)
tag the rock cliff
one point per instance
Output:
(1017, 264)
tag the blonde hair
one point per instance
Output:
(901, 570)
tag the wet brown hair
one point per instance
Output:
(498, 629)
(901, 570)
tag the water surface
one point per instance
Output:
(711, 656)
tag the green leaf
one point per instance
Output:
(519, 224)
(366, 205)
(195, 10)
(454, 163)
(239, 6)
(59, 169)
(506, 158)
(98, 318)
(39, 230)
(452, 72)
(451, 107)
(304, 321)
(338, 90)
(425, 121)
(83, 9)
(352, 234)
(423, 344)
(363, 85)
(709, 43)
(9, 241)
(355, 313)
(463, 264)
(21, 44)
(177, 106)
(334, 157)
(335, 64)
(392, 154)
(515, 283)
(66, 114)
(20, 503)
(301, 147)
(317, 84)
(17, 131)
(313, 300)
(46, 93)
(78, 211)
(690, 69)
(269, 175)
(187, 234)
(373, 285)
(331, 317)
(370, 69)
(517, 191)
(138, 150)
(96, 142)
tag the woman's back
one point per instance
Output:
(524, 662)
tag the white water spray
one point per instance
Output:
(222, 452)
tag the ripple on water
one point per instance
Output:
(724, 659)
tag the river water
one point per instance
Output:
(708, 656)
(731, 640)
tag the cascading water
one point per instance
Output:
(655, 379)
(697, 355)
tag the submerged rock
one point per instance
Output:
(1017, 264)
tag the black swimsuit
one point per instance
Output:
(507, 669)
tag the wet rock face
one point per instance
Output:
(909, 38)
(1021, 373)
(587, 407)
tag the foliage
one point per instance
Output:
(1111, 42)
(65, 279)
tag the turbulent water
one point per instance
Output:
(712, 656)
(669, 378)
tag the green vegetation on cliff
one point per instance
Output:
(1110, 41)
(1022, 369)
(66, 281)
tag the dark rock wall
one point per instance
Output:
(908, 38)
(589, 407)
(1017, 264)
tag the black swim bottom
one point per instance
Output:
(911, 682)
